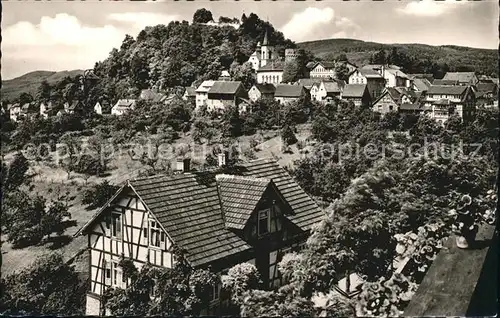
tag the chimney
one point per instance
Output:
(183, 165)
(222, 158)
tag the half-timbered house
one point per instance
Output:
(255, 214)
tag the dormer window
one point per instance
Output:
(264, 222)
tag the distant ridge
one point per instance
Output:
(359, 52)
(29, 82)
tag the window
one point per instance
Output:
(214, 292)
(116, 225)
(107, 273)
(263, 222)
(157, 236)
(114, 274)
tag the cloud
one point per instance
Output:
(56, 43)
(304, 24)
(428, 8)
(140, 20)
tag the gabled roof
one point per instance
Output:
(286, 90)
(266, 88)
(397, 73)
(308, 82)
(446, 90)
(334, 86)
(487, 87)
(272, 66)
(422, 84)
(354, 90)
(125, 103)
(445, 82)
(462, 77)
(225, 73)
(205, 86)
(369, 73)
(74, 105)
(326, 65)
(190, 91)
(190, 206)
(224, 87)
(239, 197)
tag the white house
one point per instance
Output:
(323, 70)
(202, 93)
(102, 107)
(122, 106)
(443, 101)
(330, 89)
(271, 73)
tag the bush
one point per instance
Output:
(288, 136)
(99, 194)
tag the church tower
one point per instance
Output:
(267, 51)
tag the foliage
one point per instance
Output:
(99, 194)
(288, 136)
(386, 297)
(47, 287)
(15, 174)
(202, 16)
(240, 279)
(180, 290)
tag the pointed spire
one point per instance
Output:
(265, 42)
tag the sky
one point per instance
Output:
(67, 35)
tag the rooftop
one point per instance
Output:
(446, 90)
(354, 90)
(266, 88)
(286, 90)
(462, 77)
(224, 87)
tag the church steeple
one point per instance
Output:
(265, 42)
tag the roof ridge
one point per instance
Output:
(234, 176)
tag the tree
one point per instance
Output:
(51, 221)
(240, 279)
(72, 147)
(291, 72)
(50, 286)
(44, 91)
(202, 16)
(243, 73)
(379, 57)
(15, 174)
(99, 194)
(288, 136)
(231, 122)
(342, 72)
(25, 98)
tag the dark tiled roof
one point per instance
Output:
(224, 87)
(487, 87)
(445, 82)
(462, 77)
(266, 88)
(272, 66)
(190, 212)
(446, 90)
(327, 65)
(286, 90)
(239, 197)
(308, 82)
(354, 90)
(305, 211)
(334, 86)
(415, 106)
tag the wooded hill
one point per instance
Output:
(450, 57)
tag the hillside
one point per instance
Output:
(456, 57)
(29, 82)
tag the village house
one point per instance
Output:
(261, 91)
(14, 110)
(48, 109)
(286, 93)
(443, 101)
(374, 81)
(202, 93)
(152, 95)
(255, 215)
(327, 69)
(264, 54)
(357, 94)
(102, 107)
(395, 99)
(427, 76)
(441, 82)
(323, 70)
(73, 107)
(271, 73)
(463, 78)
(189, 94)
(224, 94)
(310, 84)
(122, 106)
(18, 112)
(487, 94)
(329, 89)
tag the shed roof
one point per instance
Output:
(446, 90)
(266, 88)
(462, 77)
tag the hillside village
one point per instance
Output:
(202, 169)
